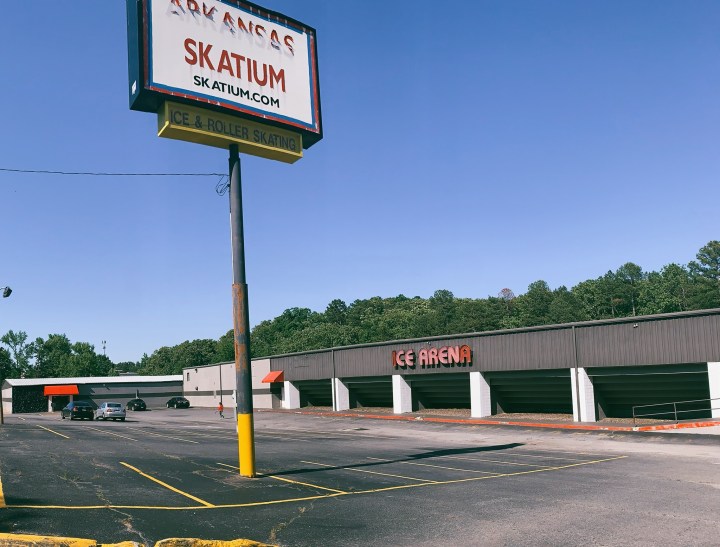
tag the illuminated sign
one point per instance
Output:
(202, 126)
(230, 56)
(446, 356)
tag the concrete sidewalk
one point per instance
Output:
(556, 421)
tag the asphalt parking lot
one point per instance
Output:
(346, 481)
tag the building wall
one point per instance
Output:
(154, 394)
(30, 398)
(202, 385)
(6, 396)
(688, 337)
(663, 341)
(262, 397)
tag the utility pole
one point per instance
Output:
(241, 324)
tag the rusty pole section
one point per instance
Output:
(241, 324)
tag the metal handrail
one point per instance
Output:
(675, 410)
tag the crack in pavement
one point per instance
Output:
(279, 527)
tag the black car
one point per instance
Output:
(178, 402)
(78, 409)
(136, 404)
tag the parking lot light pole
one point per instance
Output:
(6, 291)
(241, 324)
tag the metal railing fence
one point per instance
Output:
(675, 409)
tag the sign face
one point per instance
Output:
(228, 55)
(203, 126)
(446, 356)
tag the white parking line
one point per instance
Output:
(109, 433)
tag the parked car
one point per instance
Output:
(78, 409)
(113, 411)
(136, 404)
(178, 402)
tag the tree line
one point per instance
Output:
(625, 292)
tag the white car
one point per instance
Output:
(113, 411)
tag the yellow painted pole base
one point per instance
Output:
(246, 444)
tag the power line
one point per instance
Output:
(100, 174)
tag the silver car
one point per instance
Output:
(113, 411)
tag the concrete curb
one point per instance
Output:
(191, 542)
(478, 421)
(23, 540)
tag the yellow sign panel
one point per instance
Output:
(198, 125)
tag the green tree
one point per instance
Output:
(125, 366)
(85, 362)
(364, 314)
(592, 299)
(7, 366)
(403, 318)
(666, 291)
(264, 339)
(565, 307)
(628, 280)
(706, 273)
(477, 314)
(161, 362)
(225, 348)
(52, 357)
(20, 349)
(533, 307)
(442, 306)
(336, 312)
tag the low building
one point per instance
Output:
(51, 394)
(658, 366)
(208, 385)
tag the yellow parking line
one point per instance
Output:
(234, 468)
(437, 466)
(521, 455)
(109, 433)
(205, 503)
(208, 435)
(169, 437)
(490, 477)
(166, 508)
(224, 434)
(268, 436)
(315, 433)
(563, 452)
(2, 496)
(292, 500)
(371, 472)
(496, 461)
(306, 484)
(51, 431)
(286, 480)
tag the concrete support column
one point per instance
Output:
(479, 396)
(714, 381)
(50, 403)
(340, 395)
(291, 396)
(402, 395)
(582, 387)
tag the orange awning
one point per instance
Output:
(61, 390)
(274, 376)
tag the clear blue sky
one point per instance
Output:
(468, 146)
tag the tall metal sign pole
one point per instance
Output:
(241, 323)
(265, 102)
